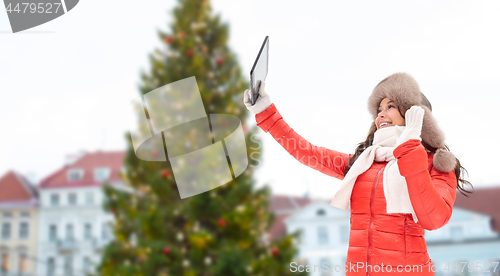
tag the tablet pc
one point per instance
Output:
(259, 69)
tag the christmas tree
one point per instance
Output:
(218, 232)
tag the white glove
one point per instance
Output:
(262, 103)
(414, 119)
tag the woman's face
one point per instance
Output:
(388, 114)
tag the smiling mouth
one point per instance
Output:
(382, 125)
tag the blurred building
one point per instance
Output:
(19, 224)
(324, 237)
(283, 206)
(324, 231)
(73, 227)
(470, 243)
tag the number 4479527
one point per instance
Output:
(34, 7)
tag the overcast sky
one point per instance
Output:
(66, 85)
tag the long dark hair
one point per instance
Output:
(459, 170)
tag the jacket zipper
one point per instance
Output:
(370, 235)
(406, 228)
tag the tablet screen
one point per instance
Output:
(259, 69)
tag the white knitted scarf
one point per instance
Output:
(395, 189)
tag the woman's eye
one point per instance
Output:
(378, 110)
(391, 106)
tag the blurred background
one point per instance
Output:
(67, 86)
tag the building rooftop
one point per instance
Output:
(482, 200)
(15, 188)
(87, 162)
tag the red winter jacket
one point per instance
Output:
(379, 243)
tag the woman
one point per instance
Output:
(401, 180)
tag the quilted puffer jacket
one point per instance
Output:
(379, 243)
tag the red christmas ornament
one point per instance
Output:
(169, 39)
(166, 251)
(219, 61)
(190, 53)
(165, 173)
(275, 251)
(182, 34)
(221, 222)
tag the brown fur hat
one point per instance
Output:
(403, 89)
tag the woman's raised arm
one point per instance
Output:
(329, 162)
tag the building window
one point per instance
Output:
(52, 233)
(6, 230)
(25, 214)
(69, 232)
(72, 200)
(5, 262)
(23, 230)
(457, 233)
(106, 229)
(301, 236)
(75, 174)
(322, 235)
(89, 198)
(86, 264)
(101, 174)
(54, 199)
(87, 232)
(23, 266)
(320, 212)
(51, 267)
(68, 266)
(344, 234)
(7, 215)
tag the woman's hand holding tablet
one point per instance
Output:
(259, 70)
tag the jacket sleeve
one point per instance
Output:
(327, 161)
(432, 192)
